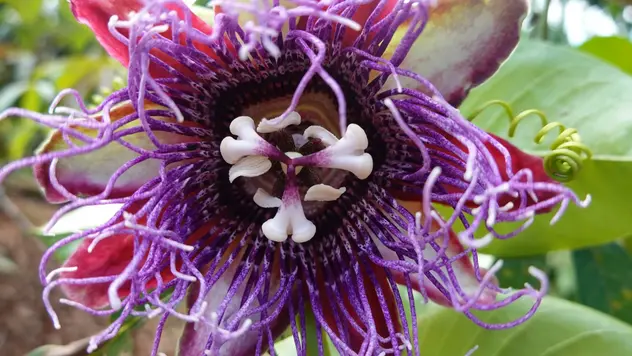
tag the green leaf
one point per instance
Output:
(287, 347)
(62, 253)
(29, 10)
(559, 328)
(614, 50)
(515, 271)
(123, 343)
(627, 243)
(75, 348)
(10, 94)
(604, 279)
(581, 92)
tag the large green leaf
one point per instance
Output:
(615, 50)
(580, 91)
(604, 279)
(559, 328)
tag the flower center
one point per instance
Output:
(296, 175)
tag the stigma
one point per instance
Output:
(250, 156)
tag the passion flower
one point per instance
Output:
(286, 160)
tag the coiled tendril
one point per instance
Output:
(567, 154)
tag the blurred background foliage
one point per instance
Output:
(44, 50)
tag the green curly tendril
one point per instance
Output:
(567, 154)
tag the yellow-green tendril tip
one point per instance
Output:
(567, 154)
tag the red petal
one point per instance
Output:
(521, 160)
(109, 257)
(463, 44)
(97, 14)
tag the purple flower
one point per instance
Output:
(287, 160)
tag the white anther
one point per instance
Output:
(248, 142)
(289, 220)
(348, 153)
(322, 134)
(506, 207)
(323, 192)
(268, 126)
(292, 155)
(251, 166)
(265, 200)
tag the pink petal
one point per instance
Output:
(463, 44)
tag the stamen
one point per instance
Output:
(265, 200)
(289, 220)
(248, 142)
(322, 134)
(265, 126)
(245, 153)
(347, 153)
(251, 166)
(323, 192)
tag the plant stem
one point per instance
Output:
(544, 21)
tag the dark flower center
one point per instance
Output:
(265, 94)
